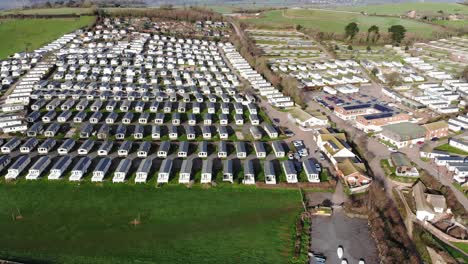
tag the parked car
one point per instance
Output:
(289, 133)
(317, 166)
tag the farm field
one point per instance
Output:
(21, 34)
(333, 21)
(60, 222)
(50, 11)
(402, 8)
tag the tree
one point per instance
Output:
(393, 79)
(373, 33)
(350, 47)
(368, 49)
(351, 30)
(397, 33)
(298, 27)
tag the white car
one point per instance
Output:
(392, 150)
(298, 143)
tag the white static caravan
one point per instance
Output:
(18, 166)
(289, 171)
(202, 149)
(86, 147)
(11, 145)
(260, 149)
(46, 146)
(59, 168)
(165, 171)
(124, 148)
(66, 147)
(183, 149)
(29, 145)
(269, 170)
(39, 166)
(278, 149)
(207, 171)
(80, 169)
(241, 150)
(144, 149)
(101, 170)
(249, 173)
(185, 171)
(228, 171)
(105, 148)
(310, 170)
(222, 150)
(143, 170)
(164, 149)
(122, 170)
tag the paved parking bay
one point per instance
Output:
(330, 232)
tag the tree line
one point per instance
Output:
(397, 33)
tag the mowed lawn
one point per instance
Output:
(17, 35)
(333, 21)
(403, 8)
(60, 222)
(50, 11)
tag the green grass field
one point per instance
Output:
(446, 147)
(62, 222)
(332, 21)
(402, 8)
(20, 34)
(50, 11)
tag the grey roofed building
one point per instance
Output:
(59, 167)
(120, 131)
(29, 145)
(269, 171)
(271, 130)
(105, 148)
(259, 149)
(202, 149)
(66, 146)
(155, 132)
(310, 170)
(101, 169)
(80, 169)
(103, 132)
(159, 118)
(127, 118)
(144, 149)
(249, 172)
(11, 145)
(86, 130)
(86, 147)
(33, 116)
(35, 129)
(190, 132)
(165, 171)
(183, 149)
(278, 149)
(241, 149)
(185, 171)
(79, 117)
(222, 149)
(125, 148)
(95, 117)
(207, 171)
(143, 170)
(122, 170)
(111, 117)
(164, 148)
(228, 170)
(289, 171)
(255, 132)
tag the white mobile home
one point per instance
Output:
(185, 171)
(59, 168)
(289, 171)
(165, 171)
(269, 170)
(207, 171)
(38, 168)
(101, 170)
(122, 170)
(249, 173)
(46, 146)
(80, 169)
(18, 166)
(143, 170)
(310, 170)
(228, 171)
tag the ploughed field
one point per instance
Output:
(19, 35)
(62, 222)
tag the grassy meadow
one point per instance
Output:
(62, 222)
(28, 34)
(402, 8)
(333, 21)
(50, 11)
